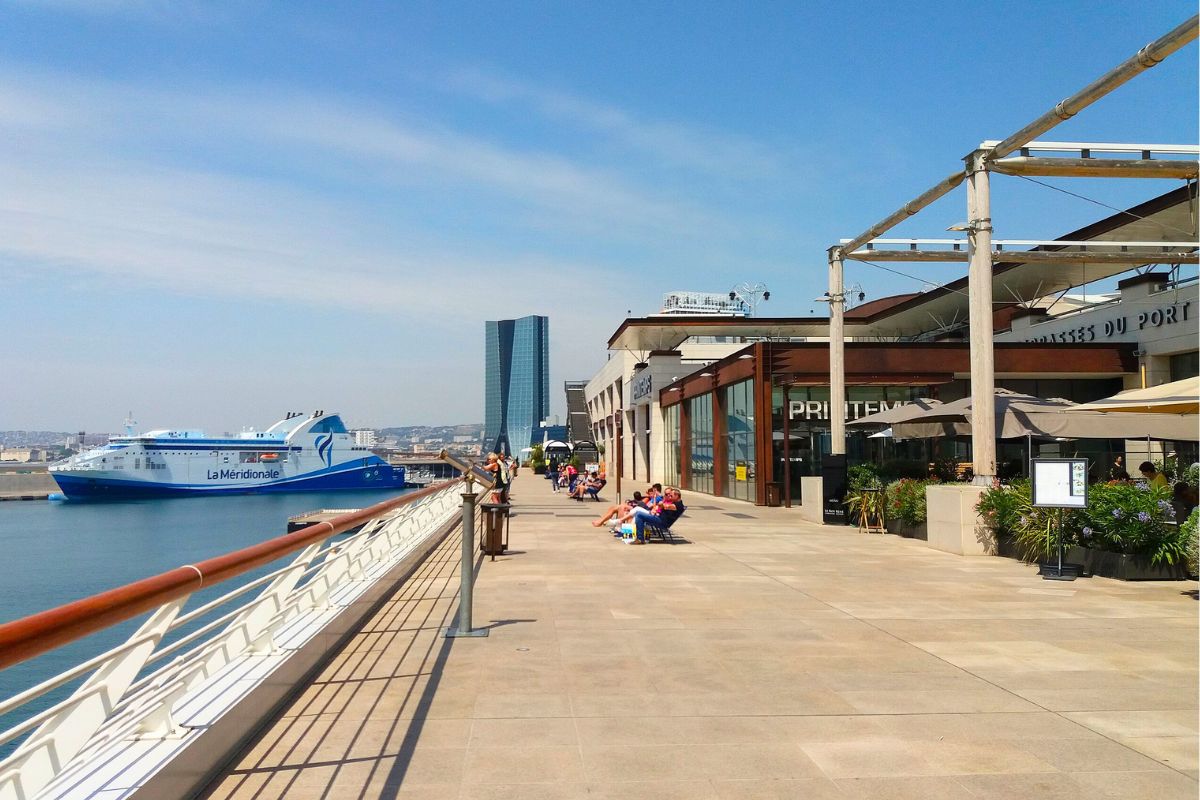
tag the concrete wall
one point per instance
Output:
(32, 483)
(953, 524)
(812, 490)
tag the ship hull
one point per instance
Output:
(81, 486)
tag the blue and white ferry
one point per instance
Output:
(299, 453)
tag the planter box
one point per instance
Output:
(897, 527)
(1104, 564)
(811, 492)
(953, 524)
(1007, 548)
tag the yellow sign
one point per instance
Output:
(739, 472)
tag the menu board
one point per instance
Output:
(1060, 482)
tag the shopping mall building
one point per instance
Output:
(739, 406)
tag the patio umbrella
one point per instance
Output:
(1177, 397)
(900, 413)
(1021, 415)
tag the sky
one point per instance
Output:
(211, 214)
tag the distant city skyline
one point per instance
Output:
(213, 213)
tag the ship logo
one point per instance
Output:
(325, 449)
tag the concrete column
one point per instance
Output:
(979, 287)
(837, 354)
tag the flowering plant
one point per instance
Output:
(1135, 519)
(906, 500)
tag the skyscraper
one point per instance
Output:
(516, 381)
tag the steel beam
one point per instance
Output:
(939, 190)
(1097, 167)
(1147, 57)
(1046, 257)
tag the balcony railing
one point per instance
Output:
(183, 671)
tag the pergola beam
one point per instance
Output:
(1149, 56)
(936, 192)
(1027, 257)
(1096, 167)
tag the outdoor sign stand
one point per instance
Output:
(1059, 483)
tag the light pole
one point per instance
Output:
(750, 295)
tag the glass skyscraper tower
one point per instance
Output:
(516, 381)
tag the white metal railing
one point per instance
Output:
(122, 697)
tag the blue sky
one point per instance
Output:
(211, 214)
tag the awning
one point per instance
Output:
(1177, 397)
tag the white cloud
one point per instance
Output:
(673, 143)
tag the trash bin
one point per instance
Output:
(494, 535)
(774, 494)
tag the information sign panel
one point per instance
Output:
(1059, 482)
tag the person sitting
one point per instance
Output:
(593, 489)
(1183, 501)
(661, 515)
(621, 509)
(1152, 476)
(592, 481)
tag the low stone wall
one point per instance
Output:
(29, 483)
(811, 490)
(953, 524)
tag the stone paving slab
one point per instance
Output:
(764, 658)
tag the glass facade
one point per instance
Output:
(516, 382)
(671, 446)
(739, 441)
(700, 467)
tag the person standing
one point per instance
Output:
(499, 469)
(1152, 476)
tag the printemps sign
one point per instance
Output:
(819, 409)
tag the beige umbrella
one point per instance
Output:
(1021, 415)
(1177, 397)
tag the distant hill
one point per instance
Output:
(446, 432)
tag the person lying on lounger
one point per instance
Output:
(661, 515)
(621, 509)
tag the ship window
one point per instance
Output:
(329, 425)
(137, 463)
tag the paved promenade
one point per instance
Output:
(766, 658)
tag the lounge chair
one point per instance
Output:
(651, 531)
(595, 490)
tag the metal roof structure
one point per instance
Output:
(1168, 218)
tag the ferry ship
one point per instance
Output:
(299, 453)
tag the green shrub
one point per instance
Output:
(1190, 537)
(1135, 519)
(1121, 518)
(1001, 507)
(862, 476)
(906, 500)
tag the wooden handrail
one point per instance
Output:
(25, 638)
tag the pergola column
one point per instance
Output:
(979, 289)
(837, 354)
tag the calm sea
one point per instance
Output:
(52, 553)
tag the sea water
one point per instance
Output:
(55, 552)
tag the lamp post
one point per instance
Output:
(750, 295)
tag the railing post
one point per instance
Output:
(465, 593)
